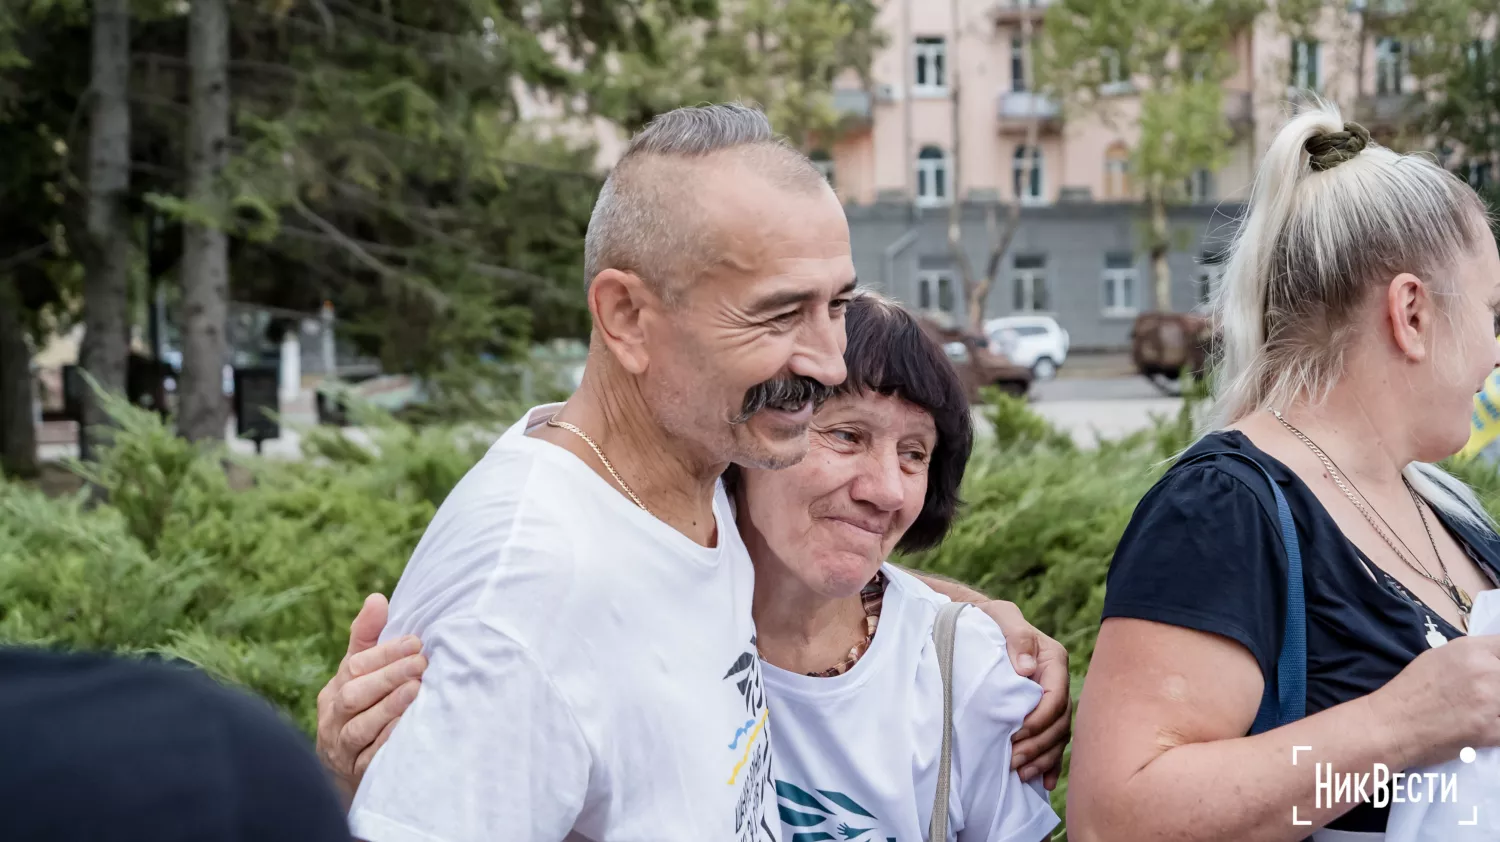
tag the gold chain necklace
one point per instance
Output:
(1457, 595)
(552, 422)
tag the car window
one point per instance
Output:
(1031, 330)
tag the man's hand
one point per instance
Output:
(361, 704)
(1037, 747)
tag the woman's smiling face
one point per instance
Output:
(834, 518)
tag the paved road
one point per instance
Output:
(1104, 408)
(1094, 389)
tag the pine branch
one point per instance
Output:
(22, 258)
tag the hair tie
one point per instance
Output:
(1330, 149)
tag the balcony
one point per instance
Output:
(1017, 110)
(1386, 111)
(1239, 111)
(852, 103)
(853, 108)
(1379, 8)
(1012, 11)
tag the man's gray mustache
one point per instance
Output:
(788, 393)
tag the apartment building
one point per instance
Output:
(1078, 253)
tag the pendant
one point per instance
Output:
(1434, 637)
(1465, 605)
(1465, 602)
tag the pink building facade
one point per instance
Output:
(909, 128)
(1078, 253)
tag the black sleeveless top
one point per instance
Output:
(1202, 552)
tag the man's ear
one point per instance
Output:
(1410, 307)
(618, 302)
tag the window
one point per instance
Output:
(932, 177)
(1197, 63)
(1117, 171)
(1199, 187)
(1210, 272)
(1481, 174)
(1027, 184)
(1119, 283)
(1031, 283)
(824, 164)
(1018, 80)
(930, 55)
(935, 287)
(1116, 73)
(1390, 66)
(1479, 50)
(1307, 65)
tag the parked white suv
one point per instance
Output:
(1035, 342)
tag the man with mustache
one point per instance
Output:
(583, 594)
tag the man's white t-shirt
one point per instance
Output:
(857, 755)
(593, 672)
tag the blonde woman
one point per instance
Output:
(1357, 313)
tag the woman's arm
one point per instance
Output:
(1160, 752)
(375, 684)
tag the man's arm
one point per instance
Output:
(1038, 745)
(951, 588)
(361, 704)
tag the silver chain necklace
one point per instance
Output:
(1457, 595)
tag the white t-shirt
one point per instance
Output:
(857, 754)
(592, 676)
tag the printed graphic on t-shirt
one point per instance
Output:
(750, 751)
(829, 815)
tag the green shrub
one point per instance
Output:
(1015, 425)
(254, 573)
(256, 584)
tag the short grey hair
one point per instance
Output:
(642, 221)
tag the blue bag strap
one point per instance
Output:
(1289, 702)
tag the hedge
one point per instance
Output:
(253, 573)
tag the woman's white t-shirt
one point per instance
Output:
(857, 754)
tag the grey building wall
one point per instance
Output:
(894, 244)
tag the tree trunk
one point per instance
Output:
(106, 341)
(978, 293)
(1359, 60)
(1001, 238)
(1161, 241)
(955, 206)
(202, 410)
(18, 452)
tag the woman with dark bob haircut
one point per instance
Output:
(886, 457)
(887, 453)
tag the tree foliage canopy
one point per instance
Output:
(1174, 55)
(385, 155)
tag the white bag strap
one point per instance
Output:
(942, 635)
